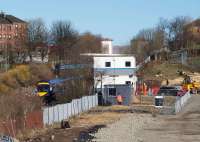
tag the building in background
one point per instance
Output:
(12, 30)
(192, 34)
(13, 34)
(107, 46)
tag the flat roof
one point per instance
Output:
(106, 55)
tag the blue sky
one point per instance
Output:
(116, 19)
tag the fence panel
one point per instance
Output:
(73, 106)
(65, 107)
(56, 113)
(64, 111)
(61, 112)
(91, 102)
(84, 103)
(69, 110)
(51, 115)
(180, 103)
(95, 100)
(80, 106)
(45, 116)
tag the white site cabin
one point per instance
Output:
(114, 69)
(114, 74)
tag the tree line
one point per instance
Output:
(173, 34)
(61, 42)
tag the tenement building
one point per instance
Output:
(13, 32)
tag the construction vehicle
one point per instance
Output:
(191, 85)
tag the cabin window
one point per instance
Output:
(112, 91)
(128, 82)
(107, 64)
(127, 63)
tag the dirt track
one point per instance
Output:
(184, 127)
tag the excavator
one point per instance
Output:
(191, 85)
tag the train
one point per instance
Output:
(48, 90)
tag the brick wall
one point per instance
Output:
(12, 34)
(33, 120)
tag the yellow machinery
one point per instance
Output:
(190, 85)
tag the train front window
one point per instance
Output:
(43, 88)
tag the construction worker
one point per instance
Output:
(119, 99)
(144, 89)
(167, 82)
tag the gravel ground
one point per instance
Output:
(183, 127)
(125, 130)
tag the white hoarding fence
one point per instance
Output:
(64, 111)
(180, 102)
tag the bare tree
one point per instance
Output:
(138, 47)
(37, 37)
(176, 32)
(145, 43)
(87, 43)
(64, 37)
(90, 43)
(167, 33)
